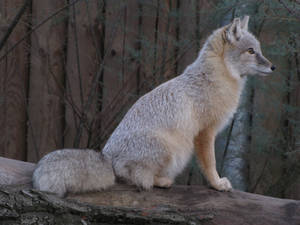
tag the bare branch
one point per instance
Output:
(227, 144)
(289, 10)
(92, 92)
(14, 23)
(36, 27)
(253, 188)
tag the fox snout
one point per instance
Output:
(264, 65)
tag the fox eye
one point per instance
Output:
(250, 51)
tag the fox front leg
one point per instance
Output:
(205, 151)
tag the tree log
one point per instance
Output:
(15, 172)
(125, 204)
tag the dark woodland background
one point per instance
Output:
(70, 69)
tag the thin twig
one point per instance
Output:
(60, 87)
(289, 10)
(77, 53)
(35, 28)
(92, 31)
(297, 65)
(227, 143)
(14, 23)
(92, 92)
(253, 188)
(77, 140)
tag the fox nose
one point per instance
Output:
(273, 67)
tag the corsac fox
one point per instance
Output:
(158, 135)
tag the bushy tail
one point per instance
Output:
(72, 171)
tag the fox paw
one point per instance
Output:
(162, 182)
(222, 184)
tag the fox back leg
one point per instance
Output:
(145, 168)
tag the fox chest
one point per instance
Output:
(223, 108)
(218, 108)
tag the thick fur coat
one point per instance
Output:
(158, 135)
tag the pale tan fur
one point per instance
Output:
(158, 135)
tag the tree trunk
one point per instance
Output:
(123, 204)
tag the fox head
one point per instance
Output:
(242, 51)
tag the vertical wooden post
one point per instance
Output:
(121, 48)
(149, 19)
(13, 85)
(158, 43)
(166, 50)
(46, 93)
(187, 50)
(83, 62)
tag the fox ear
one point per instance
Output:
(234, 30)
(244, 23)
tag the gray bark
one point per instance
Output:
(124, 204)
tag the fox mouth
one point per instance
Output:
(263, 73)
